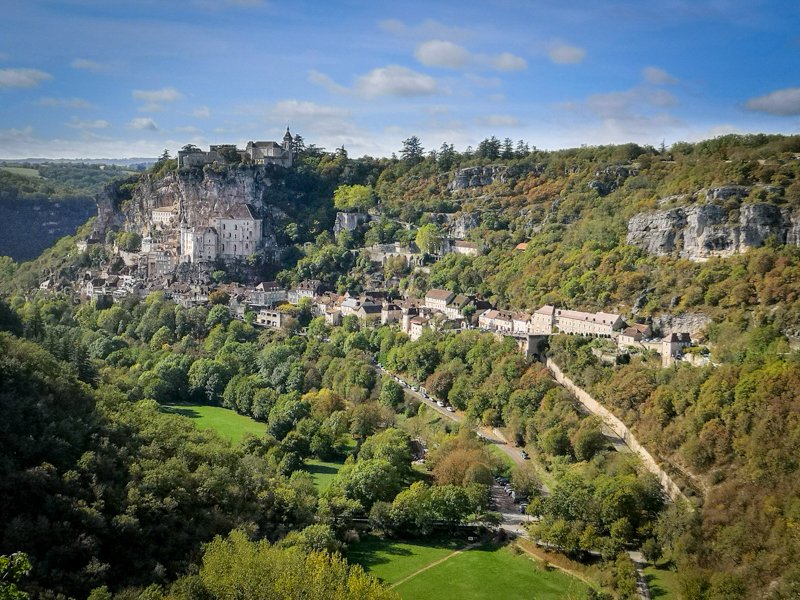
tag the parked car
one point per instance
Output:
(440, 403)
(451, 409)
(524, 454)
(522, 507)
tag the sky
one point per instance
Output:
(130, 78)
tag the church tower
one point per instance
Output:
(288, 146)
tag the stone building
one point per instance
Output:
(239, 232)
(199, 244)
(437, 299)
(163, 216)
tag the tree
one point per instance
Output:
(412, 151)
(391, 393)
(429, 239)
(349, 198)
(12, 569)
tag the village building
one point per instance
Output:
(437, 299)
(272, 153)
(309, 288)
(239, 232)
(268, 293)
(271, 318)
(390, 313)
(456, 305)
(198, 244)
(599, 324)
(163, 217)
(464, 247)
(520, 323)
(496, 320)
(416, 326)
(634, 335)
(369, 312)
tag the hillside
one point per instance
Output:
(40, 203)
(701, 238)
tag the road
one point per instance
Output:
(493, 435)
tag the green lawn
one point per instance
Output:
(392, 560)
(662, 582)
(229, 424)
(24, 171)
(323, 472)
(491, 572)
(505, 460)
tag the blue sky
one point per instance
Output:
(120, 78)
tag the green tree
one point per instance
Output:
(349, 198)
(12, 569)
(429, 239)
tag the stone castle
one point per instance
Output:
(255, 153)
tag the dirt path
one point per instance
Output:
(435, 563)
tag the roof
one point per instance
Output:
(420, 320)
(268, 286)
(521, 246)
(170, 209)
(351, 303)
(239, 211)
(459, 300)
(633, 332)
(497, 314)
(309, 284)
(547, 309)
(642, 328)
(437, 294)
(599, 317)
(370, 308)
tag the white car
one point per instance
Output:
(451, 409)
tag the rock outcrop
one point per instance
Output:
(702, 231)
(349, 221)
(473, 177)
(196, 195)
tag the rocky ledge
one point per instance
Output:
(703, 231)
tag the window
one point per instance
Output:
(223, 225)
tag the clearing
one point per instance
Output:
(227, 423)
(419, 570)
(23, 171)
(323, 472)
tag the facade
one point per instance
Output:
(496, 320)
(416, 326)
(464, 247)
(163, 217)
(239, 232)
(308, 288)
(271, 318)
(455, 306)
(161, 262)
(520, 323)
(268, 293)
(437, 299)
(199, 244)
(390, 313)
(369, 312)
(597, 324)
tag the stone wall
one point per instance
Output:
(619, 428)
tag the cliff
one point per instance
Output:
(702, 231)
(197, 195)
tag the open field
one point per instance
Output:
(323, 472)
(503, 458)
(393, 560)
(24, 171)
(662, 582)
(437, 570)
(229, 424)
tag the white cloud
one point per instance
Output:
(155, 99)
(90, 65)
(783, 103)
(144, 123)
(22, 78)
(441, 53)
(508, 62)
(64, 102)
(626, 103)
(658, 76)
(499, 121)
(202, 112)
(167, 94)
(326, 82)
(302, 109)
(395, 80)
(24, 143)
(564, 54)
(77, 123)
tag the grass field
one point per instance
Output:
(323, 472)
(24, 171)
(662, 582)
(505, 459)
(229, 424)
(392, 560)
(489, 571)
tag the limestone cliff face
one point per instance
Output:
(702, 231)
(196, 195)
(473, 177)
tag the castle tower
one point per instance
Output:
(287, 140)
